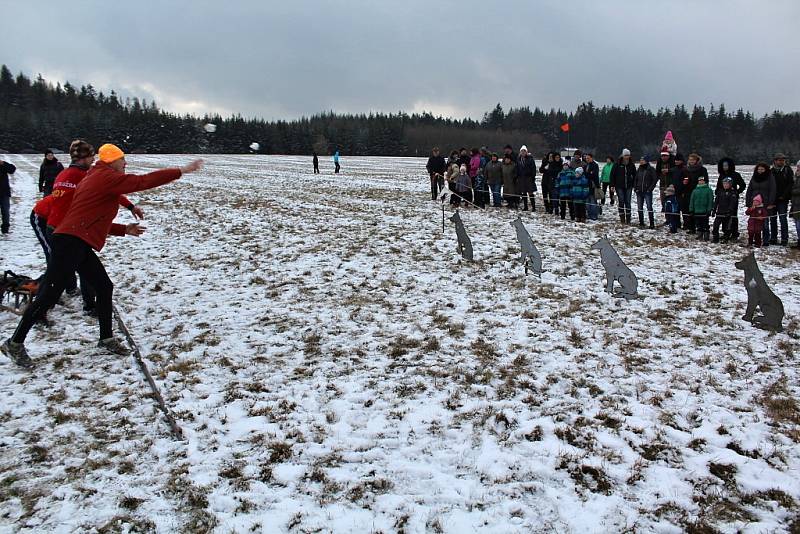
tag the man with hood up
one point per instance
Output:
(727, 169)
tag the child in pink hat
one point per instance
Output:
(669, 144)
(755, 224)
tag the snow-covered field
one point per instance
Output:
(336, 367)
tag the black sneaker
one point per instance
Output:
(17, 353)
(114, 346)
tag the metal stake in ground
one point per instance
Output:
(176, 430)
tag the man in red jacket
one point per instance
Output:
(82, 156)
(84, 229)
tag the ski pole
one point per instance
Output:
(137, 355)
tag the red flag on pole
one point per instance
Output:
(565, 127)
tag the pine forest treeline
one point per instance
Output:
(35, 115)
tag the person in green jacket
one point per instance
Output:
(605, 180)
(700, 205)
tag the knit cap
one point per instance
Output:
(109, 153)
(579, 171)
(80, 149)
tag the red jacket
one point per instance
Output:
(758, 215)
(96, 202)
(43, 207)
(63, 191)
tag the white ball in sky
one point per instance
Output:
(254, 147)
(210, 128)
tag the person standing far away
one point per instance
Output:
(336, 165)
(494, 177)
(605, 181)
(526, 178)
(546, 182)
(783, 193)
(592, 170)
(436, 168)
(727, 169)
(48, 171)
(669, 145)
(663, 165)
(6, 168)
(508, 150)
(82, 232)
(762, 184)
(644, 185)
(315, 162)
(796, 202)
(694, 170)
(623, 174)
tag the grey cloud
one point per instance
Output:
(286, 59)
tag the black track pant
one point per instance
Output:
(69, 254)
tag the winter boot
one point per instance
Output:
(113, 346)
(17, 353)
(622, 218)
(628, 217)
(706, 235)
(715, 239)
(652, 220)
(641, 219)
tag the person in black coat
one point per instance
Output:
(762, 183)
(6, 168)
(315, 162)
(526, 175)
(727, 169)
(623, 175)
(726, 205)
(592, 171)
(436, 168)
(784, 179)
(645, 183)
(48, 171)
(694, 170)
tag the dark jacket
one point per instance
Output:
(646, 179)
(663, 172)
(509, 179)
(526, 171)
(47, 175)
(493, 172)
(763, 185)
(623, 176)
(550, 174)
(784, 178)
(736, 179)
(796, 197)
(693, 173)
(676, 176)
(6, 168)
(726, 202)
(436, 165)
(592, 172)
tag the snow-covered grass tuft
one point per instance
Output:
(335, 366)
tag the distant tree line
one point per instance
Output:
(35, 115)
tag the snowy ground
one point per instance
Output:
(336, 367)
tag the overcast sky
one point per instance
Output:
(284, 59)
